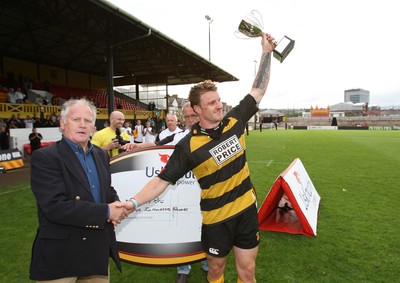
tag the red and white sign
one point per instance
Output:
(292, 204)
(167, 230)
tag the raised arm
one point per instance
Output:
(262, 78)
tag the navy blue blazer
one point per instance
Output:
(74, 237)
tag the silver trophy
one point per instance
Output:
(252, 25)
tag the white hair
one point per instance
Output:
(82, 101)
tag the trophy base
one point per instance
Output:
(283, 48)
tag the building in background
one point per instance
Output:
(357, 95)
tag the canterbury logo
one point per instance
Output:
(213, 251)
(164, 157)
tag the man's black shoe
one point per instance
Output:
(182, 278)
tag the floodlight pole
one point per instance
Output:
(208, 18)
(255, 74)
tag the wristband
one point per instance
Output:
(135, 203)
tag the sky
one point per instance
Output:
(339, 45)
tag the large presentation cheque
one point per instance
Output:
(166, 230)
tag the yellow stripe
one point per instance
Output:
(228, 210)
(198, 141)
(161, 261)
(219, 189)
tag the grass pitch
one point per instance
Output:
(356, 173)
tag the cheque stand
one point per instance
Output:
(166, 230)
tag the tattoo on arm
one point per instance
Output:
(264, 72)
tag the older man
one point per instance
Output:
(172, 127)
(107, 138)
(77, 206)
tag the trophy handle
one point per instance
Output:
(257, 18)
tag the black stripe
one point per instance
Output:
(224, 173)
(218, 202)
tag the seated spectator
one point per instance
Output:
(55, 119)
(12, 121)
(48, 122)
(11, 96)
(19, 96)
(39, 100)
(19, 122)
(12, 125)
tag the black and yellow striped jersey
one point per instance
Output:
(218, 160)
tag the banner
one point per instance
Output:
(167, 230)
(292, 204)
(11, 159)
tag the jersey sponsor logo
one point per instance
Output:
(226, 150)
(213, 251)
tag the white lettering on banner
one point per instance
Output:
(152, 172)
(226, 150)
(303, 191)
(306, 194)
(5, 157)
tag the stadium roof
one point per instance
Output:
(80, 35)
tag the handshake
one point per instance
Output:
(119, 211)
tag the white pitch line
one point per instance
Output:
(13, 191)
(267, 162)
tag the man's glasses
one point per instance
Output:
(193, 116)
